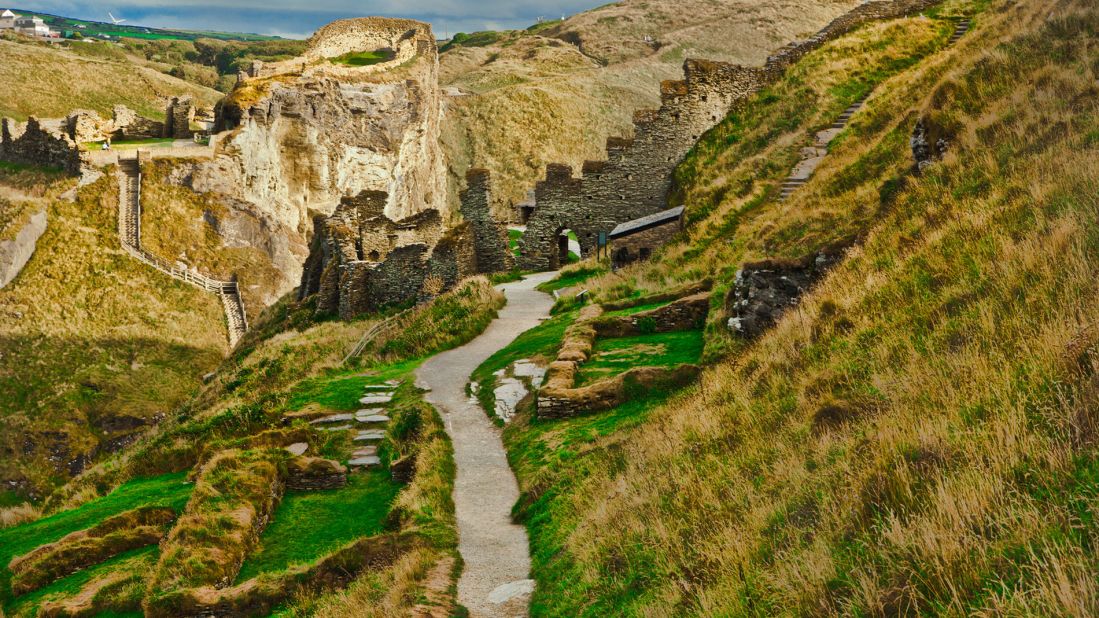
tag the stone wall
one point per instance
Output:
(30, 144)
(636, 176)
(640, 245)
(128, 124)
(314, 474)
(361, 260)
(490, 238)
(180, 113)
(764, 290)
(687, 313)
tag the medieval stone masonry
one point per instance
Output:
(31, 144)
(635, 178)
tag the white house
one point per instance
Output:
(32, 26)
(7, 20)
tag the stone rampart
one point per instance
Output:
(362, 261)
(490, 238)
(636, 176)
(31, 144)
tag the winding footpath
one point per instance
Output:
(495, 581)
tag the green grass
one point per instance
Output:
(134, 560)
(572, 277)
(165, 490)
(309, 525)
(551, 458)
(123, 144)
(611, 357)
(514, 236)
(363, 58)
(541, 341)
(637, 309)
(341, 390)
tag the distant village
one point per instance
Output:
(36, 27)
(27, 25)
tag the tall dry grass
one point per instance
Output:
(919, 436)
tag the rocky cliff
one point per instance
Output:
(359, 111)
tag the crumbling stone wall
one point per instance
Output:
(635, 179)
(128, 124)
(362, 261)
(30, 144)
(490, 238)
(764, 290)
(85, 125)
(180, 113)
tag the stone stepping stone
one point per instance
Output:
(297, 449)
(365, 412)
(378, 387)
(336, 428)
(376, 399)
(365, 451)
(373, 418)
(370, 435)
(334, 418)
(369, 460)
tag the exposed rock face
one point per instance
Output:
(15, 253)
(929, 143)
(765, 290)
(308, 132)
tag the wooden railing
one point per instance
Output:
(129, 232)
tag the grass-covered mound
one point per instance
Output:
(919, 435)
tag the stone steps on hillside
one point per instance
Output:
(129, 232)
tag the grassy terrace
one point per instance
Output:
(165, 490)
(308, 525)
(364, 58)
(611, 357)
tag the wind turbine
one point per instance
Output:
(115, 19)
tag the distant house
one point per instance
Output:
(636, 240)
(7, 20)
(31, 26)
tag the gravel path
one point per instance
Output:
(495, 580)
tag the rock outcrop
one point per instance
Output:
(17, 251)
(764, 290)
(306, 133)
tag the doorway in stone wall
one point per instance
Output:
(568, 247)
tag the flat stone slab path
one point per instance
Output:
(496, 579)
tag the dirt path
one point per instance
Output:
(494, 582)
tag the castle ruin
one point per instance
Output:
(635, 178)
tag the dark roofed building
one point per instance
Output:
(636, 240)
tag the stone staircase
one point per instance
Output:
(812, 156)
(129, 233)
(368, 424)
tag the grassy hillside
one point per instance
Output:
(918, 437)
(287, 364)
(555, 93)
(41, 80)
(95, 344)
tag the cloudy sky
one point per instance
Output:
(299, 18)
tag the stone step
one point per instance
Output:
(364, 462)
(370, 435)
(373, 418)
(377, 398)
(333, 418)
(335, 428)
(365, 451)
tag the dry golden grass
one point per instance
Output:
(174, 227)
(38, 80)
(540, 100)
(919, 436)
(89, 335)
(19, 514)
